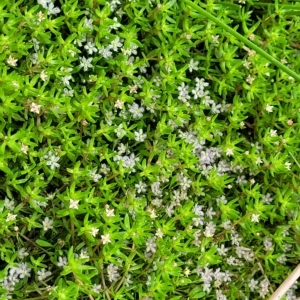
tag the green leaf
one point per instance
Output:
(43, 243)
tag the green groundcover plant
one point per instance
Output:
(149, 149)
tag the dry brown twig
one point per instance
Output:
(285, 286)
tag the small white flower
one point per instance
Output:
(141, 187)
(152, 213)
(41, 16)
(159, 233)
(186, 272)
(22, 253)
(68, 93)
(15, 84)
(24, 148)
(112, 272)
(94, 176)
(105, 239)
(66, 79)
(116, 44)
(109, 212)
(42, 274)
(90, 47)
(9, 204)
(35, 108)
(52, 160)
(246, 64)
(48, 224)
(44, 75)
(292, 79)
(73, 53)
(44, 3)
(253, 285)
(94, 231)
(151, 245)
(215, 39)
(120, 131)
(88, 23)
(268, 243)
(12, 61)
(269, 108)
(105, 52)
(52, 10)
(86, 63)
(140, 136)
(288, 165)
(193, 65)
(258, 161)
(133, 89)
(74, 204)
(97, 288)
(251, 37)
(229, 152)
(283, 60)
(273, 133)
(251, 53)
(62, 261)
(255, 218)
(119, 104)
(10, 217)
(250, 79)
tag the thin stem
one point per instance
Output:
(263, 272)
(294, 158)
(104, 285)
(35, 298)
(264, 54)
(232, 5)
(290, 6)
(33, 243)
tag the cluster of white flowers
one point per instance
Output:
(93, 175)
(15, 274)
(268, 243)
(52, 160)
(112, 272)
(35, 107)
(43, 274)
(155, 188)
(264, 288)
(97, 288)
(136, 110)
(49, 5)
(128, 161)
(209, 275)
(83, 254)
(151, 245)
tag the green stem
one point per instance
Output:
(294, 158)
(232, 5)
(286, 6)
(264, 54)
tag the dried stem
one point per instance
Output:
(285, 286)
